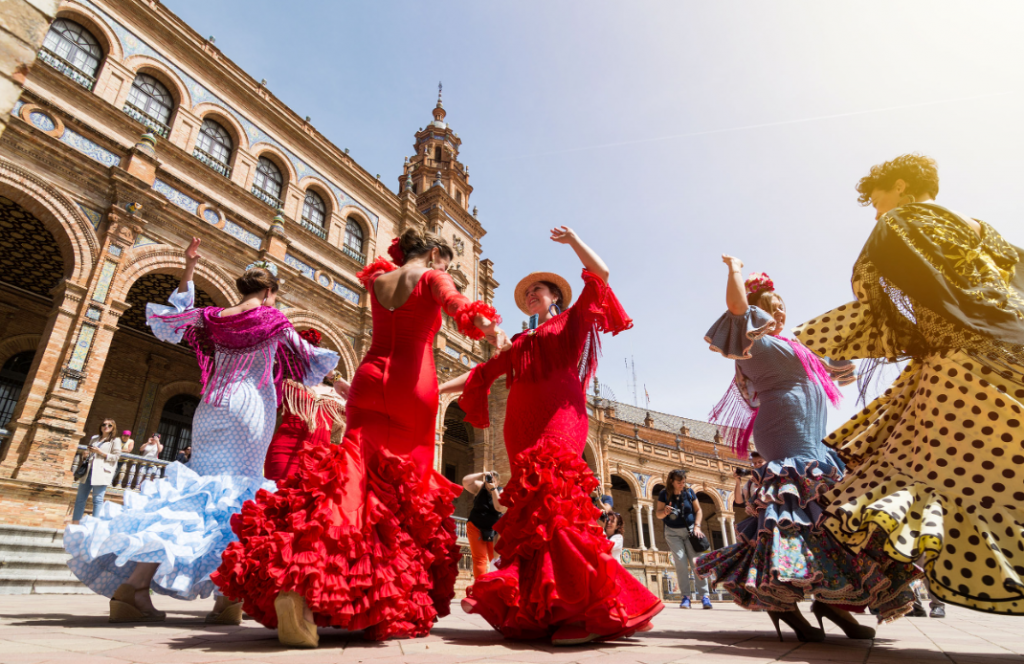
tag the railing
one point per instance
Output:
(131, 471)
(139, 115)
(315, 229)
(353, 254)
(266, 197)
(460, 529)
(212, 162)
(66, 68)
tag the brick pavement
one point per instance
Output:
(74, 630)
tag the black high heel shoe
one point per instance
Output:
(851, 628)
(798, 624)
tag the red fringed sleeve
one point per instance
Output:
(458, 306)
(598, 303)
(474, 397)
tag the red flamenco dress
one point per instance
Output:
(555, 569)
(363, 530)
(307, 421)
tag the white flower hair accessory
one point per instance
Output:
(266, 265)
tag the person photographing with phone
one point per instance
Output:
(486, 511)
(679, 510)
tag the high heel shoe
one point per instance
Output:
(230, 615)
(851, 628)
(798, 624)
(124, 610)
(293, 630)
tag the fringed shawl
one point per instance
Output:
(310, 406)
(227, 347)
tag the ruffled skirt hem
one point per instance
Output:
(181, 521)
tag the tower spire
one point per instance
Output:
(439, 112)
(439, 104)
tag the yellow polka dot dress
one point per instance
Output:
(936, 463)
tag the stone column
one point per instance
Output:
(650, 526)
(639, 515)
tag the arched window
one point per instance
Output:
(150, 103)
(268, 182)
(72, 50)
(175, 427)
(437, 154)
(314, 214)
(12, 379)
(353, 246)
(213, 147)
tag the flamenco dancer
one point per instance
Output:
(309, 416)
(360, 535)
(169, 537)
(555, 577)
(937, 459)
(779, 395)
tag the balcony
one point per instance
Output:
(353, 254)
(131, 472)
(66, 68)
(212, 162)
(139, 116)
(315, 229)
(266, 197)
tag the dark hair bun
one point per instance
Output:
(255, 280)
(413, 243)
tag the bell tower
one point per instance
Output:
(436, 162)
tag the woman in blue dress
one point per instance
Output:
(169, 537)
(779, 397)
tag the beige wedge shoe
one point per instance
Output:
(124, 610)
(293, 630)
(231, 615)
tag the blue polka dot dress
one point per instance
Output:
(182, 521)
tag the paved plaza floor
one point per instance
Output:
(74, 630)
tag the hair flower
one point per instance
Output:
(758, 283)
(266, 265)
(396, 253)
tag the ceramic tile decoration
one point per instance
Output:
(89, 149)
(183, 201)
(346, 292)
(103, 287)
(144, 241)
(643, 480)
(115, 250)
(93, 313)
(132, 45)
(248, 237)
(211, 216)
(42, 121)
(94, 216)
(324, 281)
(69, 383)
(302, 267)
(16, 111)
(82, 346)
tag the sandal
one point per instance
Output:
(124, 610)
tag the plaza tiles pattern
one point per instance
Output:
(132, 45)
(35, 629)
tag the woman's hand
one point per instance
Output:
(192, 253)
(735, 264)
(341, 386)
(564, 235)
(697, 532)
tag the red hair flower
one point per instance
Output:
(396, 253)
(758, 283)
(311, 336)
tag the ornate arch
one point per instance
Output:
(74, 233)
(279, 158)
(20, 343)
(320, 187)
(627, 475)
(716, 499)
(226, 118)
(112, 48)
(165, 394)
(303, 317)
(139, 63)
(154, 258)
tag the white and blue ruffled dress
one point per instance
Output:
(182, 521)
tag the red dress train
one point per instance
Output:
(554, 568)
(363, 530)
(307, 422)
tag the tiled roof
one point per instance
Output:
(662, 421)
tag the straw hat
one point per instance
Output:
(533, 278)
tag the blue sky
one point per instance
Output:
(665, 133)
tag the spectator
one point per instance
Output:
(104, 448)
(613, 527)
(678, 508)
(127, 447)
(487, 509)
(742, 488)
(151, 450)
(184, 455)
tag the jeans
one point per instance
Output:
(682, 556)
(98, 490)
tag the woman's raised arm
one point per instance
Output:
(191, 258)
(590, 260)
(735, 291)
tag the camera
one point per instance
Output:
(488, 478)
(742, 472)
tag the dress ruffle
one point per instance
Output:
(606, 310)
(783, 556)
(733, 336)
(379, 266)
(554, 566)
(180, 521)
(389, 575)
(467, 313)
